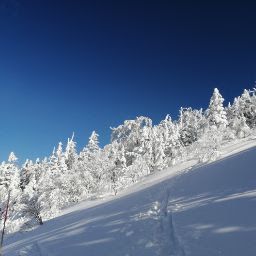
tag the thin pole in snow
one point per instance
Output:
(5, 219)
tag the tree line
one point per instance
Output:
(39, 189)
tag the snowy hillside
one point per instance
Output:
(35, 192)
(194, 210)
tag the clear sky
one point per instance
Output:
(87, 65)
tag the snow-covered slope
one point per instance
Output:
(201, 211)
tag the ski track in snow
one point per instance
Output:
(35, 249)
(32, 249)
(166, 235)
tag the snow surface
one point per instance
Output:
(188, 209)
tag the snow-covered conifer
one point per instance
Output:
(70, 153)
(191, 123)
(117, 168)
(93, 144)
(216, 113)
(171, 138)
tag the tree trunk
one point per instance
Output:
(5, 219)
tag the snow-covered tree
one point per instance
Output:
(207, 147)
(70, 153)
(93, 144)
(156, 159)
(171, 138)
(91, 163)
(32, 207)
(10, 184)
(138, 169)
(24, 175)
(247, 107)
(191, 124)
(134, 136)
(117, 167)
(216, 113)
(237, 120)
(12, 158)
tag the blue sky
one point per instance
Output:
(87, 65)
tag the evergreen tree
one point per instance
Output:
(25, 174)
(134, 136)
(191, 124)
(10, 184)
(158, 150)
(216, 113)
(247, 106)
(237, 120)
(70, 153)
(32, 205)
(171, 138)
(117, 168)
(91, 164)
(93, 144)
(207, 147)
